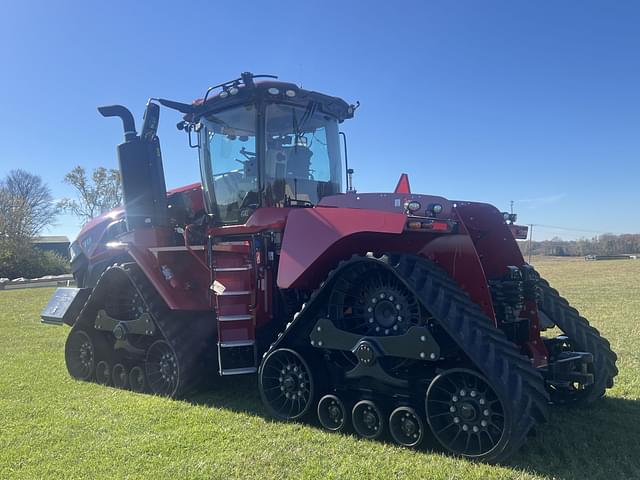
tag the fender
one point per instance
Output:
(497, 250)
(491, 236)
(177, 277)
(316, 240)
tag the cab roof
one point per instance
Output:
(245, 90)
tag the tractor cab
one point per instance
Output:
(265, 144)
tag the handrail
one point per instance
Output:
(185, 234)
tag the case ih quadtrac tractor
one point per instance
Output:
(396, 314)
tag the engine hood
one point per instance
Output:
(390, 202)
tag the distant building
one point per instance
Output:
(57, 244)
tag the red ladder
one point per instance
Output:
(234, 291)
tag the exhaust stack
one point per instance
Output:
(142, 175)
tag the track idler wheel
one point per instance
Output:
(286, 384)
(103, 373)
(466, 415)
(367, 419)
(79, 355)
(406, 427)
(137, 382)
(162, 369)
(120, 376)
(332, 413)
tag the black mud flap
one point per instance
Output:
(65, 305)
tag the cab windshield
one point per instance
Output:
(302, 155)
(300, 161)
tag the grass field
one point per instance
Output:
(54, 427)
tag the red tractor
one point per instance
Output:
(396, 313)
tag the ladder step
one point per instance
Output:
(246, 268)
(237, 343)
(234, 318)
(239, 371)
(230, 293)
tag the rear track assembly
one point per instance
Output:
(501, 373)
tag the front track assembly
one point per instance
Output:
(444, 367)
(126, 337)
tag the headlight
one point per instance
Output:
(74, 251)
(412, 206)
(509, 217)
(435, 208)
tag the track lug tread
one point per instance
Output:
(583, 336)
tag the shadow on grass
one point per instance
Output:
(235, 393)
(599, 441)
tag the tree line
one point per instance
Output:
(607, 244)
(27, 208)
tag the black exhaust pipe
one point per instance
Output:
(128, 123)
(143, 185)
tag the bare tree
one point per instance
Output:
(96, 195)
(26, 205)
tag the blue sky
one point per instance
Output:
(532, 101)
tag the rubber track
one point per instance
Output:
(510, 373)
(583, 337)
(186, 334)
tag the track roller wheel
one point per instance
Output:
(103, 373)
(332, 413)
(120, 376)
(286, 384)
(406, 427)
(79, 355)
(137, 381)
(466, 415)
(367, 419)
(162, 369)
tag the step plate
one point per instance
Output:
(65, 305)
(236, 358)
(239, 371)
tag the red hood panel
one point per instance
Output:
(388, 202)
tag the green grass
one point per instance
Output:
(54, 427)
